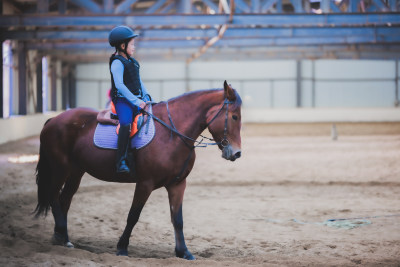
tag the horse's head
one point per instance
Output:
(224, 123)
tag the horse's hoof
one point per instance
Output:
(122, 252)
(68, 244)
(59, 240)
(185, 255)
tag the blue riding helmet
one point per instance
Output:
(120, 34)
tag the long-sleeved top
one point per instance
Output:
(117, 70)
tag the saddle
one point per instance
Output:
(109, 116)
(106, 133)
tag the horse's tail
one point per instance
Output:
(43, 181)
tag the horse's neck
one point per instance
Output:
(192, 110)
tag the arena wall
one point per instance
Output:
(18, 127)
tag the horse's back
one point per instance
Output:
(66, 128)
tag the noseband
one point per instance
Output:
(224, 142)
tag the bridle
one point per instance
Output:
(224, 142)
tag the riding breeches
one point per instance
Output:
(125, 110)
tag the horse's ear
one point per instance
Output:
(229, 93)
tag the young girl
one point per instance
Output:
(127, 92)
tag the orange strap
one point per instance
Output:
(134, 128)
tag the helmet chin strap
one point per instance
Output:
(124, 49)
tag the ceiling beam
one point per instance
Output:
(264, 53)
(242, 20)
(226, 42)
(379, 33)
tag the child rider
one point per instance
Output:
(127, 92)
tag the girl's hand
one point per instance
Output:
(142, 105)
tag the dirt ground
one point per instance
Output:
(270, 207)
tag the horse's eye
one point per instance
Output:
(234, 117)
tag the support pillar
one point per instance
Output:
(298, 84)
(22, 89)
(1, 83)
(187, 89)
(313, 84)
(396, 80)
(65, 87)
(39, 87)
(72, 87)
(53, 82)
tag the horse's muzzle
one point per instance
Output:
(229, 153)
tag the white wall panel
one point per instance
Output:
(162, 70)
(173, 89)
(92, 71)
(338, 83)
(355, 94)
(306, 93)
(257, 94)
(284, 93)
(88, 95)
(244, 69)
(354, 69)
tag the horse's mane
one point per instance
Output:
(198, 93)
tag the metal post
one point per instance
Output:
(72, 87)
(22, 93)
(187, 77)
(65, 86)
(39, 87)
(1, 80)
(272, 102)
(298, 83)
(313, 83)
(53, 86)
(396, 102)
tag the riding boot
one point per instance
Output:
(122, 150)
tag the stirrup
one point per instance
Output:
(123, 168)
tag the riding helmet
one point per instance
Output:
(120, 34)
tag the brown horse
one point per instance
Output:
(67, 152)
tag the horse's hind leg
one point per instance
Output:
(60, 206)
(175, 195)
(68, 191)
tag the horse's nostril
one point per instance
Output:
(238, 154)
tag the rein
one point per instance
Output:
(224, 142)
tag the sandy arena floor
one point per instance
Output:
(268, 208)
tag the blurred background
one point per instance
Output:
(292, 61)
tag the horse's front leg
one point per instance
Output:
(142, 193)
(175, 195)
